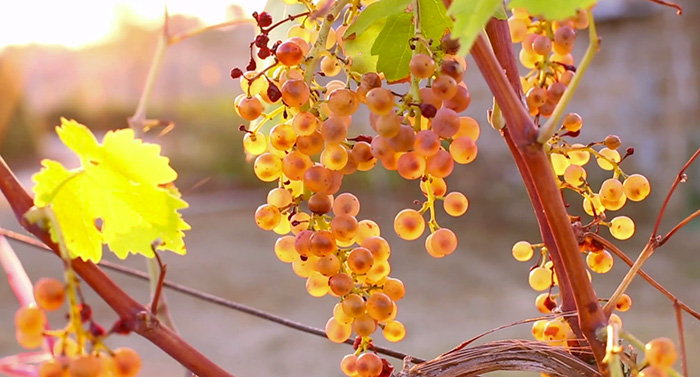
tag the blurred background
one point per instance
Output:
(89, 61)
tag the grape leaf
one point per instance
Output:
(359, 48)
(122, 195)
(376, 12)
(434, 21)
(552, 9)
(470, 17)
(392, 47)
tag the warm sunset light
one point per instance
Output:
(76, 23)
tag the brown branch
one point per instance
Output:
(679, 178)
(681, 337)
(517, 355)
(678, 9)
(678, 226)
(615, 250)
(134, 315)
(544, 194)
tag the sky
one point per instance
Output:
(77, 23)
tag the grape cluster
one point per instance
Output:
(312, 145)
(546, 48)
(69, 359)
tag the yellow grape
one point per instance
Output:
(616, 205)
(378, 246)
(348, 365)
(27, 340)
(299, 221)
(438, 186)
(624, 303)
(611, 190)
(518, 29)
(441, 243)
(30, 320)
(282, 137)
(608, 156)
(305, 123)
(622, 227)
(341, 284)
(340, 316)
(556, 330)
(575, 175)
(543, 303)
(572, 122)
(409, 224)
(455, 204)
(334, 157)
(523, 251)
(661, 352)
(369, 365)
(468, 127)
(336, 331)
(394, 331)
(317, 284)
(304, 268)
(284, 227)
(257, 86)
(538, 329)
(528, 58)
(559, 163)
(279, 197)
(379, 306)
(394, 288)
(127, 363)
(344, 228)
(284, 249)
(380, 270)
(578, 155)
(364, 325)
(49, 293)
(51, 368)
(600, 262)
(360, 260)
(411, 165)
(636, 187)
(592, 205)
(540, 278)
(366, 229)
(267, 217)
(255, 143)
(463, 149)
(267, 167)
(330, 66)
(66, 347)
(85, 366)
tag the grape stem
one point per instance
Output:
(320, 44)
(681, 337)
(552, 124)
(613, 349)
(634, 341)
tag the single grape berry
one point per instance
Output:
(261, 40)
(427, 110)
(273, 92)
(264, 52)
(264, 19)
(236, 73)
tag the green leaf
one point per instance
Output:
(552, 9)
(376, 12)
(434, 21)
(470, 17)
(501, 13)
(392, 47)
(359, 48)
(124, 184)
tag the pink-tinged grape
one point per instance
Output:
(380, 148)
(379, 306)
(555, 92)
(404, 140)
(463, 149)
(636, 187)
(394, 331)
(343, 102)
(320, 203)
(440, 164)
(249, 108)
(455, 204)
(279, 197)
(334, 157)
(284, 249)
(341, 284)
(436, 184)
(622, 227)
(624, 303)
(445, 123)
(378, 246)
(544, 303)
(444, 87)
(282, 137)
(422, 66)
(295, 164)
(387, 125)
(49, 293)
(411, 165)
(127, 363)
(607, 158)
(611, 190)
(660, 352)
(299, 221)
(360, 260)
(409, 224)
(468, 127)
(575, 175)
(30, 320)
(592, 205)
(366, 229)
(304, 123)
(254, 143)
(572, 122)
(380, 101)
(318, 179)
(428, 97)
(346, 204)
(334, 130)
(310, 144)
(600, 262)
(559, 163)
(578, 155)
(523, 251)
(322, 243)
(460, 101)
(441, 243)
(317, 284)
(267, 167)
(364, 325)
(542, 45)
(328, 265)
(344, 227)
(540, 278)
(51, 368)
(369, 365)
(612, 142)
(394, 288)
(564, 39)
(337, 332)
(295, 93)
(289, 53)
(536, 97)
(426, 143)
(362, 151)
(348, 365)
(267, 217)
(538, 329)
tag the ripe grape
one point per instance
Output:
(536, 97)
(463, 150)
(469, 127)
(249, 108)
(606, 157)
(49, 293)
(518, 29)
(428, 97)
(334, 130)
(328, 265)
(253, 86)
(317, 284)
(544, 303)
(369, 365)
(575, 175)
(454, 66)
(592, 205)
(348, 365)
(295, 93)
(295, 164)
(279, 197)
(379, 306)
(564, 39)
(379, 271)
(440, 164)
(612, 142)
(611, 190)
(542, 45)
(282, 137)
(28, 340)
(30, 320)
(386, 125)
(337, 332)
(540, 278)
(436, 184)
(284, 249)
(322, 243)
(411, 165)
(422, 66)
(426, 143)
(394, 331)
(304, 123)
(660, 352)
(409, 224)
(85, 366)
(538, 329)
(51, 368)
(267, 217)
(404, 140)
(460, 100)
(341, 284)
(344, 227)
(441, 243)
(556, 329)
(254, 143)
(366, 229)
(577, 155)
(378, 246)
(555, 91)
(346, 204)
(330, 66)
(360, 260)
(318, 179)
(394, 288)
(289, 53)
(622, 227)
(616, 205)
(310, 144)
(444, 87)
(364, 325)
(380, 101)
(304, 268)
(636, 187)
(527, 57)
(380, 148)
(455, 204)
(445, 123)
(343, 102)
(127, 363)
(267, 167)
(334, 157)
(559, 163)
(600, 262)
(299, 222)
(624, 303)
(523, 251)
(572, 122)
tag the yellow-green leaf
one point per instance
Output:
(121, 196)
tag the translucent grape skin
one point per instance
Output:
(49, 293)
(409, 224)
(661, 352)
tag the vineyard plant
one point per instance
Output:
(315, 73)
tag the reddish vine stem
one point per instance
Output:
(679, 178)
(545, 192)
(681, 337)
(159, 286)
(679, 11)
(134, 315)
